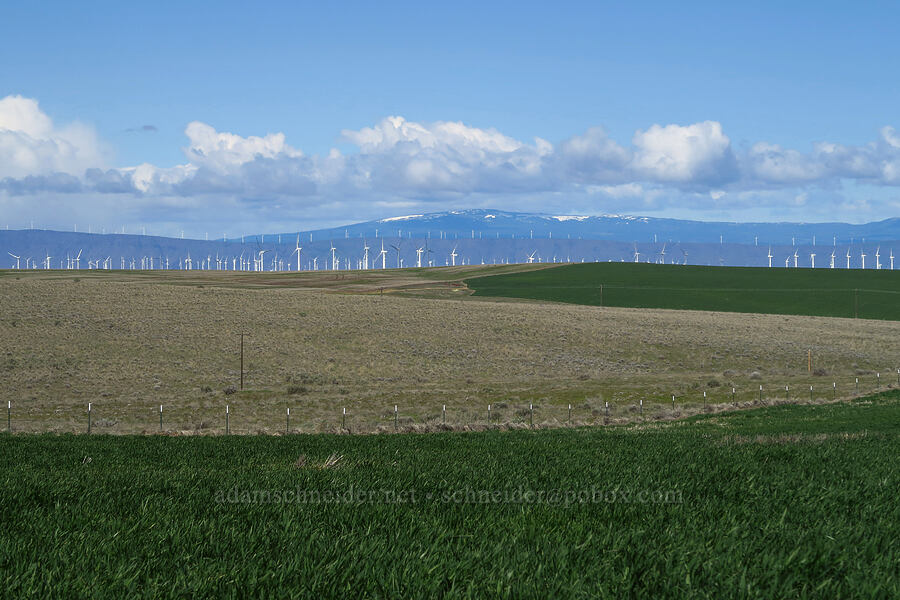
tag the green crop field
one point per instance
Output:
(851, 293)
(786, 501)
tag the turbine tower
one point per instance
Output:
(637, 255)
(419, 252)
(862, 254)
(15, 257)
(812, 260)
(334, 266)
(878, 258)
(397, 248)
(261, 266)
(848, 257)
(770, 257)
(365, 255)
(297, 252)
(831, 266)
(453, 256)
(383, 255)
(892, 259)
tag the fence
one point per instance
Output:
(496, 414)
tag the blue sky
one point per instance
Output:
(756, 112)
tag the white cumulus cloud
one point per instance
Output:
(400, 156)
(31, 145)
(692, 154)
(220, 152)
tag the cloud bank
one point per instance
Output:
(402, 163)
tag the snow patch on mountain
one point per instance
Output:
(562, 218)
(403, 218)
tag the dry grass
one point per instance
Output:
(130, 343)
(793, 438)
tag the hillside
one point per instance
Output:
(822, 292)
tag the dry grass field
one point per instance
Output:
(322, 342)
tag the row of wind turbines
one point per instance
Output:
(832, 261)
(256, 261)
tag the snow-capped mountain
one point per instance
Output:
(497, 224)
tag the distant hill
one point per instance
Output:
(473, 237)
(482, 223)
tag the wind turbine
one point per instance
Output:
(831, 266)
(812, 260)
(637, 255)
(261, 266)
(878, 258)
(15, 257)
(47, 262)
(419, 252)
(770, 257)
(297, 252)
(862, 254)
(383, 255)
(531, 257)
(787, 261)
(397, 248)
(683, 251)
(333, 259)
(848, 257)
(453, 256)
(77, 260)
(365, 255)
(796, 257)
(662, 254)
(892, 259)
